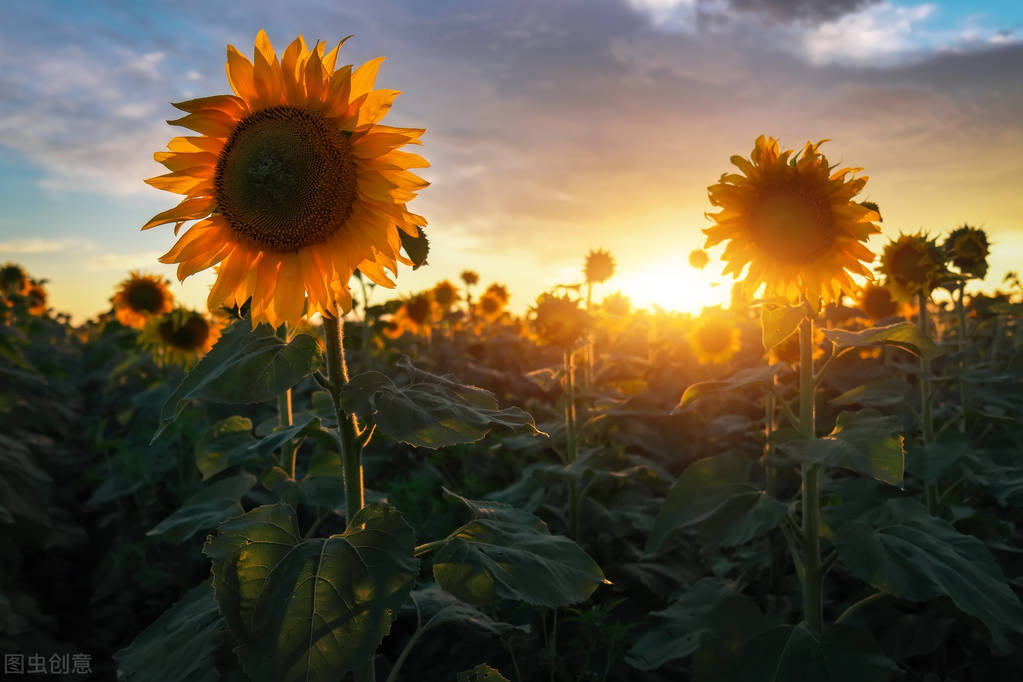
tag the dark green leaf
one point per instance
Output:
(951, 448)
(865, 441)
(416, 248)
(204, 510)
(761, 377)
(714, 499)
(507, 553)
(178, 646)
(227, 444)
(481, 673)
(916, 556)
(430, 411)
(245, 366)
(886, 392)
(311, 609)
(778, 324)
(439, 607)
(904, 335)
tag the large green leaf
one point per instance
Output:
(179, 646)
(676, 631)
(795, 654)
(227, 444)
(904, 335)
(779, 323)
(887, 392)
(508, 553)
(205, 509)
(439, 607)
(310, 609)
(428, 410)
(950, 448)
(761, 377)
(714, 499)
(245, 366)
(913, 555)
(865, 441)
(481, 673)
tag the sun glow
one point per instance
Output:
(673, 285)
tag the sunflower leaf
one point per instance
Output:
(778, 324)
(310, 609)
(416, 248)
(865, 441)
(748, 378)
(214, 503)
(904, 335)
(481, 673)
(245, 366)
(504, 552)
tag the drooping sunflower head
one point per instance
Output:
(876, 302)
(912, 264)
(180, 336)
(470, 277)
(967, 247)
(445, 294)
(499, 291)
(558, 320)
(140, 297)
(416, 313)
(714, 338)
(793, 222)
(13, 279)
(599, 266)
(490, 306)
(294, 182)
(616, 304)
(698, 259)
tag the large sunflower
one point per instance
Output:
(793, 221)
(294, 182)
(140, 297)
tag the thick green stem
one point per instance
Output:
(351, 452)
(813, 608)
(289, 451)
(964, 350)
(571, 446)
(926, 416)
(860, 605)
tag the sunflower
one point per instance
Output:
(35, 298)
(180, 336)
(698, 259)
(599, 266)
(714, 338)
(876, 302)
(558, 320)
(470, 277)
(392, 327)
(13, 279)
(616, 304)
(445, 294)
(294, 182)
(499, 291)
(416, 313)
(912, 264)
(140, 297)
(793, 221)
(967, 247)
(490, 306)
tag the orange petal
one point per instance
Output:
(240, 75)
(292, 66)
(375, 107)
(212, 123)
(228, 104)
(177, 161)
(192, 144)
(173, 182)
(188, 209)
(290, 296)
(232, 271)
(215, 255)
(266, 74)
(365, 76)
(315, 77)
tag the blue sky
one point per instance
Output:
(553, 127)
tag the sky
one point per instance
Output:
(553, 127)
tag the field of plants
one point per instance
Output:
(316, 480)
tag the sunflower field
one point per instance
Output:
(314, 479)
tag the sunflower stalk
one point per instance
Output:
(964, 350)
(571, 444)
(289, 451)
(811, 503)
(926, 415)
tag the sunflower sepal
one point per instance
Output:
(245, 366)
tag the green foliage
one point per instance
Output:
(416, 248)
(310, 609)
(779, 323)
(865, 441)
(428, 410)
(904, 335)
(507, 553)
(715, 500)
(753, 377)
(481, 673)
(205, 509)
(245, 366)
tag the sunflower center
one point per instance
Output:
(146, 297)
(190, 335)
(286, 178)
(910, 265)
(792, 223)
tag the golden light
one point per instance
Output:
(674, 285)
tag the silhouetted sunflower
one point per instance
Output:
(141, 297)
(793, 222)
(599, 266)
(912, 264)
(13, 280)
(698, 259)
(558, 320)
(445, 294)
(876, 302)
(416, 313)
(294, 182)
(470, 277)
(714, 338)
(489, 307)
(616, 304)
(499, 291)
(967, 247)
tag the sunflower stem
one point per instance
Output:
(926, 416)
(571, 446)
(811, 503)
(289, 451)
(964, 349)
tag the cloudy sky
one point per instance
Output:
(554, 127)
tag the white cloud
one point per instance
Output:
(31, 246)
(880, 33)
(121, 261)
